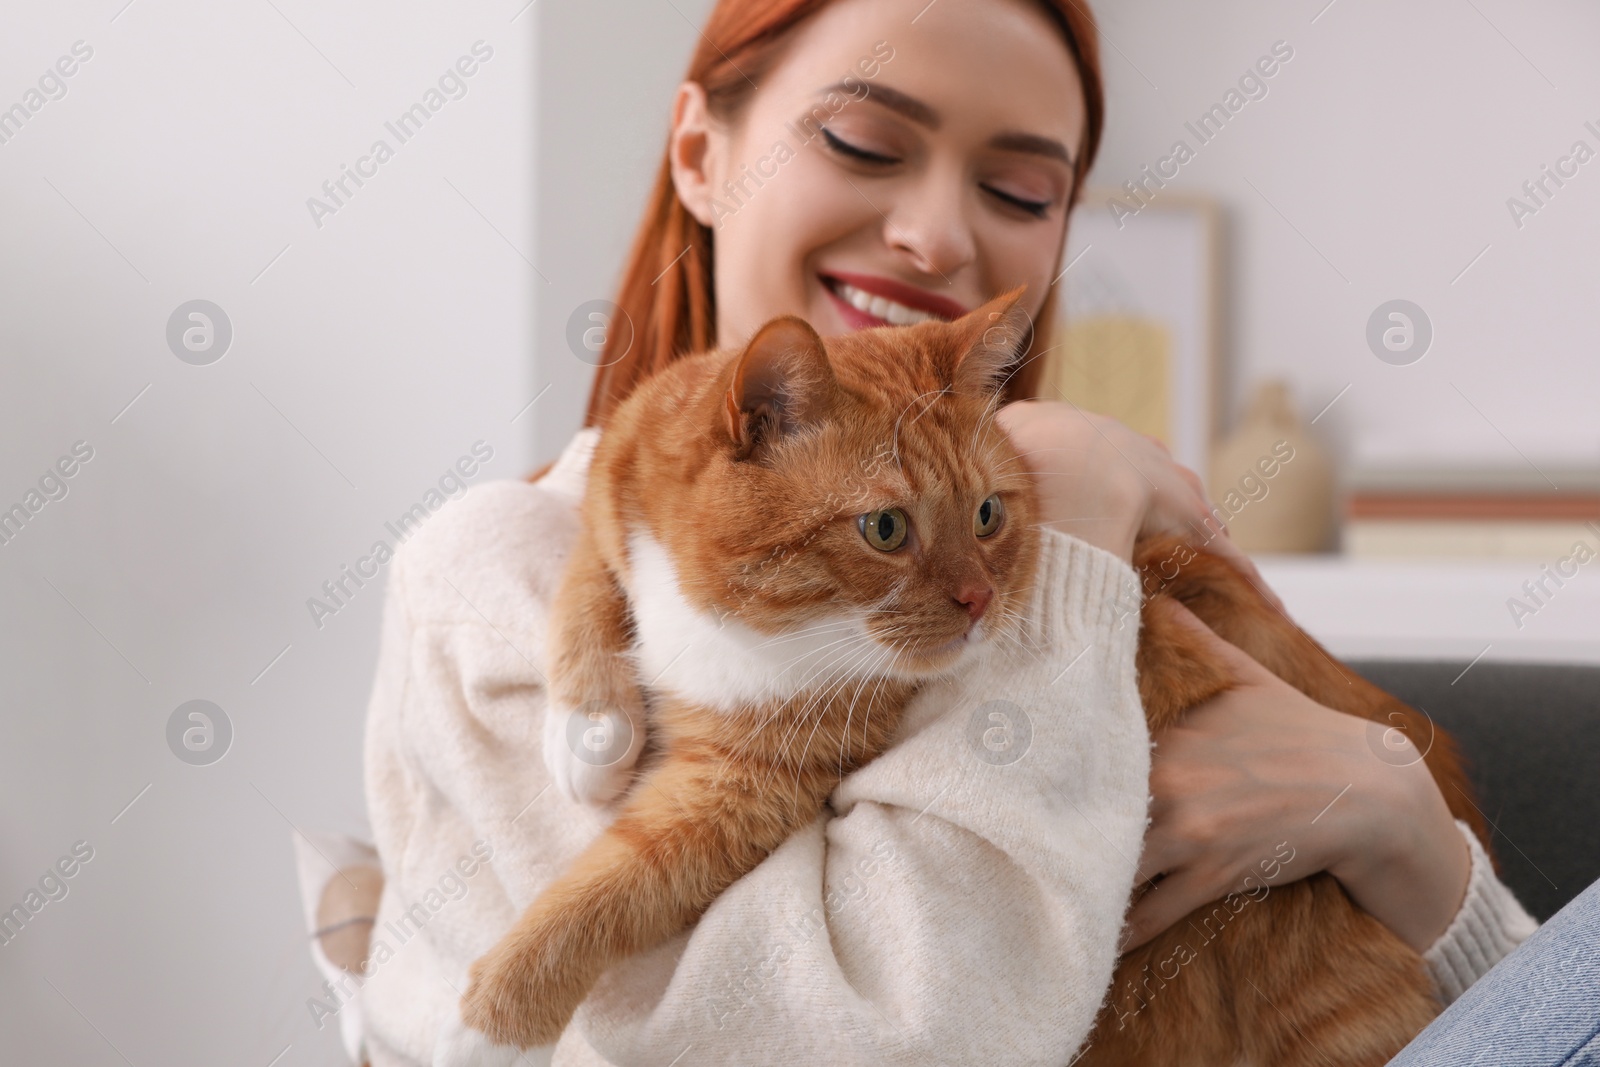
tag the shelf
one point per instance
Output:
(1413, 609)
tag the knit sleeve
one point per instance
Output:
(1489, 925)
(462, 815)
(960, 900)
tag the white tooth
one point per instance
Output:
(888, 310)
(908, 316)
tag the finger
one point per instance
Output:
(1266, 591)
(1160, 856)
(1173, 897)
(1253, 576)
(1244, 668)
(1242, 563)
(1158, 442)
(1223, 546)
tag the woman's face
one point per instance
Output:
(935, 177)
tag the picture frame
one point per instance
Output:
(1139, 317)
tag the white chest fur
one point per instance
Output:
(725, 664)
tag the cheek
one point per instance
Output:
(758, 255)
(774, 237)
(1011, 253)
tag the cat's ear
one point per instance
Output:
(988, 343)
(781, 382)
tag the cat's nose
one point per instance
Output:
(975, 598)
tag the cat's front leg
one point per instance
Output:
(594, 723)
(522, 993)
(703, 824)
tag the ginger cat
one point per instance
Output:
(782, 543)
(751, 504)
(1299, 976)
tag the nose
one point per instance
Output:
(928, 225)
(975, 598)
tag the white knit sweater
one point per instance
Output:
(953, 905)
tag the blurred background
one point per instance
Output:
(228, 364)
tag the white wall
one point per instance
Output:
(610, 67)
(365, 360)
(1387, 148)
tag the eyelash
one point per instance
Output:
(845, 148)
(1038, 209)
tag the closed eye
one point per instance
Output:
(1036, 208)
(845, 148)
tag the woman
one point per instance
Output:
(860, 162)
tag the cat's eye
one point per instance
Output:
(987, 520)
(885, 530)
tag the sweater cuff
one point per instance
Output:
(1080, 590)
(1489, 925)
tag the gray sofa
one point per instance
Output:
(1531, 737)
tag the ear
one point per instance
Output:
(988, 343)
(693, 149)
(781, 382)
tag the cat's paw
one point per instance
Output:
(458, 1045)
(522, 994)
(590, 750)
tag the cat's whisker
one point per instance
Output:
(841, 671)
(798, 715)
(1037, 354)
(876, 674)
(781, 707)
(1012, 633)
(873, 672)
(850, 634)
(894, 650)
(990, 412)
(833, 627)
(799, 764)
(888, 653)
(785, 705)
(806, 679)
(798, 721)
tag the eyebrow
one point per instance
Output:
(923, 115)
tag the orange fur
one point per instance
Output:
(1297, 976)
(751, 467)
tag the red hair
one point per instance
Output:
(676, 315)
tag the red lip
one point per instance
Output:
(901, 293)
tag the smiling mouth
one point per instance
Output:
(883, 302)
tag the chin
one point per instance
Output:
(935, 660)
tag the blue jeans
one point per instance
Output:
(1538, 1007)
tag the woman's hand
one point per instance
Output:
(1110, 486)
(1263, 765)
